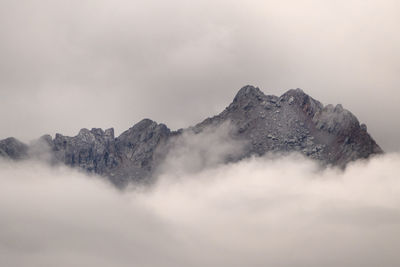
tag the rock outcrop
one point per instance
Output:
(129, 157)
(13, 149)
(266, 123)
(295, 122)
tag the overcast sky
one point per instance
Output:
(71, 64)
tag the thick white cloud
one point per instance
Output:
(258, 212)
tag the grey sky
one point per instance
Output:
(66, 65)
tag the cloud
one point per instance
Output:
(68, 65)
(193, 152)
(265, 211)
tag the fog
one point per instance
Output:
(68, 65)
(268, 211)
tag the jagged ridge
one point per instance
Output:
(291, 122)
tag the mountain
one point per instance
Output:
(265, 123)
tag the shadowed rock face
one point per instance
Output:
(130, 157)
(295, 122)
(292, 122)
(13, 149)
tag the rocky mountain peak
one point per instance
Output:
(336, 119)
(294, 94)
(292, 122)
(13, 148)
(295, 122)
(249, 92)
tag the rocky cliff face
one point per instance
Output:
(13, 149)
(265, 123)
(296, 122)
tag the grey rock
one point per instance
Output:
(139, 150)
(363, 127)
(13, 149)
(265, 123)
(331, 135)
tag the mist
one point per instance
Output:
(265, 211)
(68, 65)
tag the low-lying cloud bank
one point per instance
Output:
(257, 212)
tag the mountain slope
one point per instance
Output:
(264, 123)
(296, 122)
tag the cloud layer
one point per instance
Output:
(258, 212)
